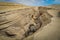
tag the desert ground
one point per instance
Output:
(20, 22)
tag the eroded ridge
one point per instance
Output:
(22, 23)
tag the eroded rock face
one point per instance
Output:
(22, 23)
(52, 30)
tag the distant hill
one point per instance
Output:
(57, 6)
(4, 6)
(10, 4)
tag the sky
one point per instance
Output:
(34, 2)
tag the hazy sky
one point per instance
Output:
(34, 2)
